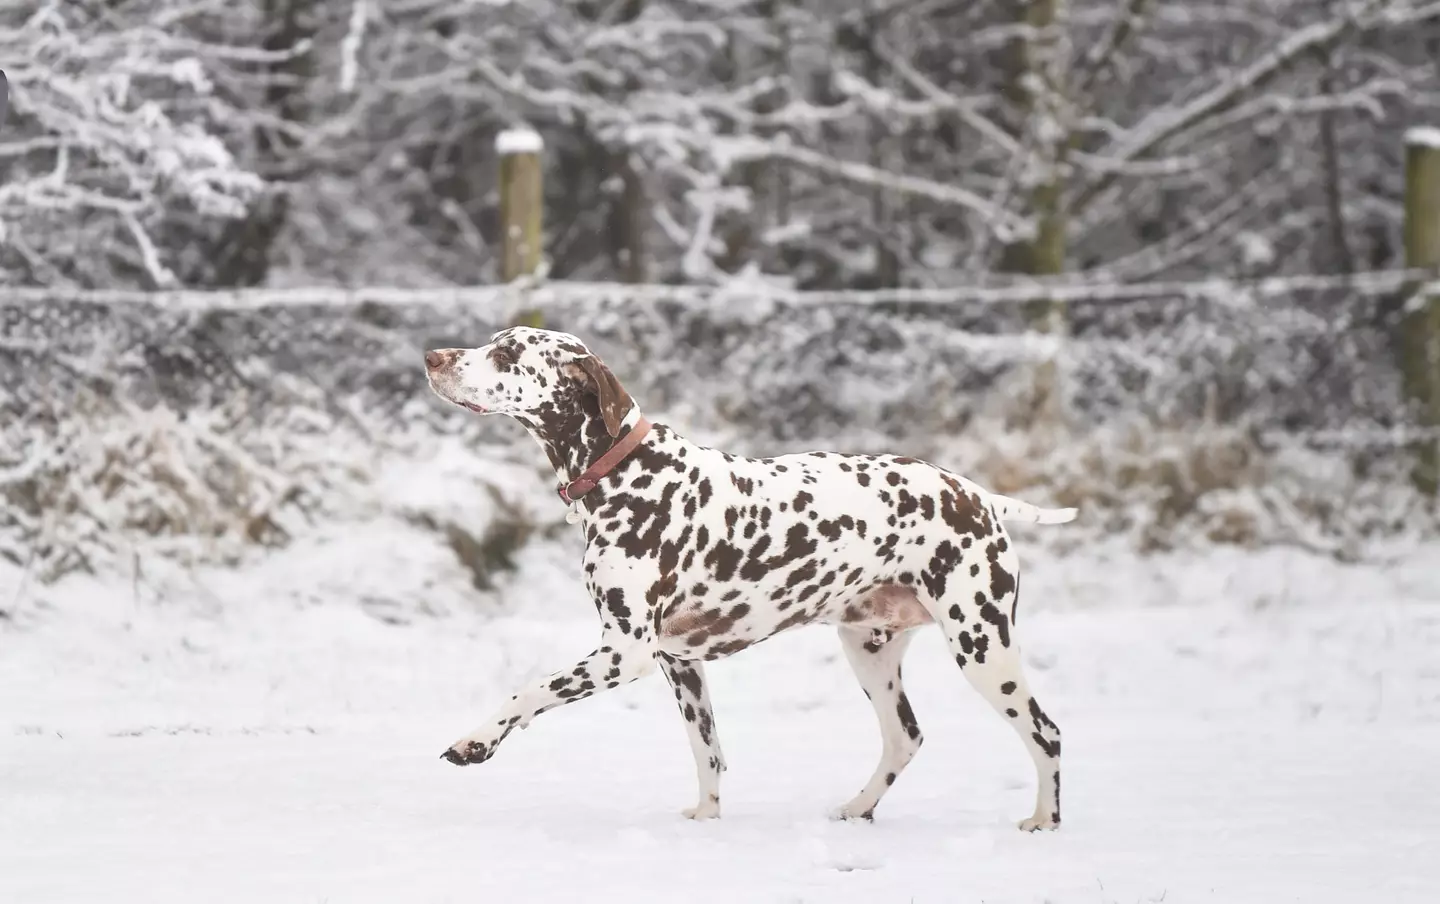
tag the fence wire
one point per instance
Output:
(1310, 359)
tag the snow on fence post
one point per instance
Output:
(522, 207)
(1420, 332)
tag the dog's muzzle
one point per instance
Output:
(439, 365)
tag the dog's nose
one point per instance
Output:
(433, 359)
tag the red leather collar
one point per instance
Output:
(592, 475)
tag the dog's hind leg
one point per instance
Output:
(688, 680)
(875, 658)
(980, 632)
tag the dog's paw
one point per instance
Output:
(1045, 823)
(465, 753)
(852, 811)
(709, 808)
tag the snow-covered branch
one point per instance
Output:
(1171, 122)
(865, 175)
(103, 122)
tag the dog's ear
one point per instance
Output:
(615, 402)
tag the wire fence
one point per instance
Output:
(1312, 359)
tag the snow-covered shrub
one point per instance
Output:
(101, 484)
(203, 430)
(1167, 486)
(99, 478)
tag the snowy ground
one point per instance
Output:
(1238, 728)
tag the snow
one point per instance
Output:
(518, 141)
(1255, 249)
(1238, 727)
(1423, 136)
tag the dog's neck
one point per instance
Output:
(578, 438)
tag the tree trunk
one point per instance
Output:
(886, 273)
(1344, 261)
(630, 215)
(1037, 89)
(243, 255)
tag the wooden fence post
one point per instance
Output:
(1420, 330)
(522, 208)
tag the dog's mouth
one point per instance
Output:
(447, 390)
(468, 406)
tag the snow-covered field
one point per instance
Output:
(1238, 727)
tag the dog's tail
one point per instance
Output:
(1015, 510)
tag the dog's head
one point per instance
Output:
(537, 376)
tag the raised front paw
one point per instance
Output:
(463, 753)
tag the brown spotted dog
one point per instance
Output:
(692, 554)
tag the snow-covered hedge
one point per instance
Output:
(203, 431)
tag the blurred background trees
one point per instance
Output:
(825, 143)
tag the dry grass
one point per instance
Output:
(1167, 487)
(105, 477)
(99, 485)
(90, 489)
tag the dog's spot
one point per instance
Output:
(907, 717)
(997, 618)
(723, 560)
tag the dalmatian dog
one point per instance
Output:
(692, 554)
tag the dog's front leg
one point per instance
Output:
(622, 659)
(688, 680)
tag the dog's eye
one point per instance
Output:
(502, 356)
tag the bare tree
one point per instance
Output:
(820, 144)
(111, 140)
